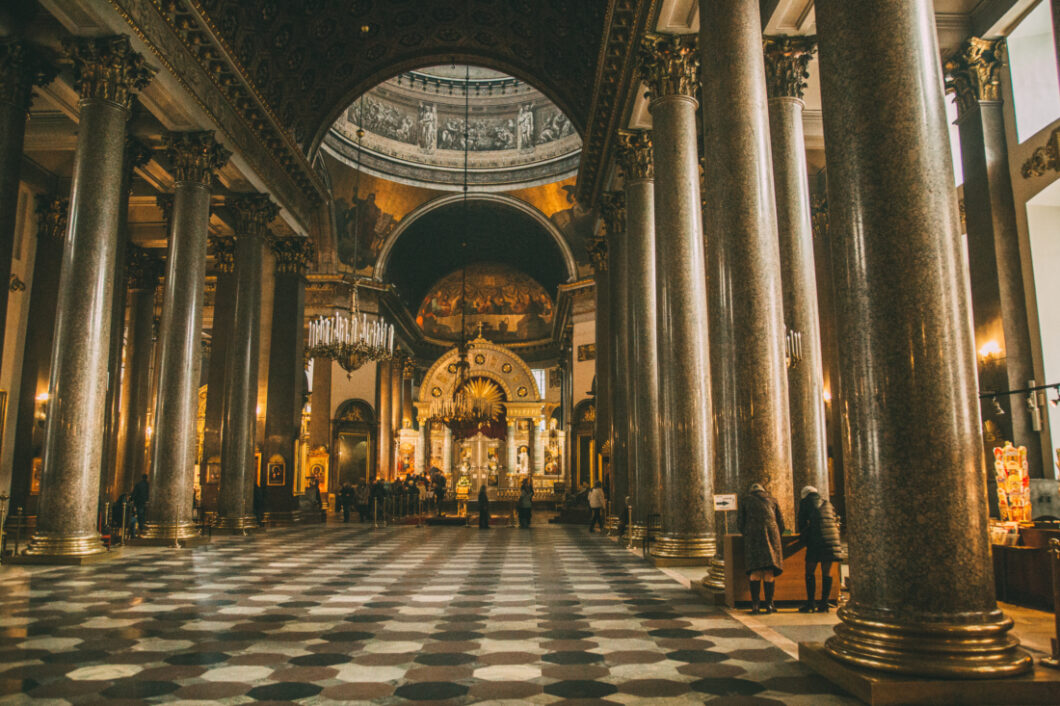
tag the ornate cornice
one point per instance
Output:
(107, 69)
(254, 212)
(223, 249)
(670, 64)
(1044, 159)
(974, 72)
(293, 255)
(142, 269)
(787, 59)
(52, 212)
(21, 68)
(634, 154)
(613, 211)
(195, 156)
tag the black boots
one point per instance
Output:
(755, 588)
(826, 591)
(770, 608)
(811, 589)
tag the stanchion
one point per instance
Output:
(1054, 554)
(629, 522)
(18, 529)
(3, 531)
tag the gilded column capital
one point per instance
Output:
(613, 211)
(670, 64)
(408, 370)
(596, 246)
(142, 268)
(52, 214)
(21, 68)
(974, 72)
(165, 204)
(223, 249)
(634, 154)
(294, 255)
(108, 69)
(195, 156)
(787, 59)
(254, 212)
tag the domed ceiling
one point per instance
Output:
(414, 131)
(508, 305)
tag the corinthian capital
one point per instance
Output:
(21, 68)
(195, 156)
(293, 255)
(51, 216)
(142, 268)
(973, 73)
(786, 62)
(634, 154)
(613, 211)
(254, 212)
(223, 249)
(108, 69)
(670, 64)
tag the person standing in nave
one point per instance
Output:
(819, 530)
(346, 499)
(483, 508)
(759, 520)
(525, 503)
(596, 504)
(364, 499)
(139, 499)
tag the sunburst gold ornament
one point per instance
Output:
(484, 396)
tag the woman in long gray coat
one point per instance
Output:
(759, 520)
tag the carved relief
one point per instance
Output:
(1044, 159)
(254, 212)
(108, 69)
(613, 211)
(223, 249)
(973, 73)
(787, 59)
(52, 212)
(195, 156)
(633, 152)
(293, 255)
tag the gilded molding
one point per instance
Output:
(195, 156)
(294, 255)
(974, 72)
(107, 69)
(223, 249)
(613, 211)
(142, 269)
(1044, 159)
(254, 212)
(21, 68)
(787, 59)
(670, 64)
(633, 151)
(52, 213)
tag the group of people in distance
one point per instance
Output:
(524, 506)
(380, 500)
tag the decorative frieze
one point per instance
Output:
(52, 214)
(254, 212)
(195, 156)
(787, 59)
(293, 255)
(634, 154)
(21, 68)
(107, 69)
(974, 72)
(670, 64)
(613, 211)
(223, 249)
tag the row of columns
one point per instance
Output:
(736, 404)
(395, 385)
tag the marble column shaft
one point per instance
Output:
(107, 74)
(999, 304)
(786, 61)
(21, 68)
(635, 158)
(687, 532)
(283, 409)
(224, 298)
(238, 463)
(384, 392)
(320, 405)
(614, 207)
(601, 290)
(744, 255)
(195, 157)
(907, 357)
(397, 403)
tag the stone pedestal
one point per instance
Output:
(670, 64)
(195, 157)
(107, 73)
(922, 602)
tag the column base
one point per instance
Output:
(64, 559)
(60, 547)
(168, 532)
(182, 542)
(682, 550)
(283, 518)
(611, 525)
(1040, 687)
(946, 650)
(637, 532)
(241, 525)
(715, 578)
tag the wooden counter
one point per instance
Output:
(791, 585)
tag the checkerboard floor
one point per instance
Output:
(327, 614)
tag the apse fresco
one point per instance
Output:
(509, 305)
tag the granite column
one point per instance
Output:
(194, 156)
(107, 74)
(223, 249)
(670, 64)
(907, 358)
(385, 404)
(786, 61)
(613, 207)
(254, 212)
(597, 248)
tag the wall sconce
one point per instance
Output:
(40, 411)
(989, 351)
(793, 348)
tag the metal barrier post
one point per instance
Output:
(18, 529)
(3, 531)
(1054, 554)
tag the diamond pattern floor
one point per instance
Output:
(328, 614)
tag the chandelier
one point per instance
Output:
(351, 340)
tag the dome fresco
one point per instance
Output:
(413, 131)
(509, 305)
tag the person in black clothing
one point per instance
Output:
(345, 501)
(483, 508)
(439, 490)
(139, 499)
(525, 504)
(819, 530)
(363, 495)
(259, 505)
(379, 500)
(759, 520)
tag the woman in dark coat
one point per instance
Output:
(759, 520)
(483, 508)
(820, 533)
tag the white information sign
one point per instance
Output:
(725, 502)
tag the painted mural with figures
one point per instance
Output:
(509, 305)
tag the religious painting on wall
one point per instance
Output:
(509, 305)
(276, 474)
(586, 352)
(362, 229)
